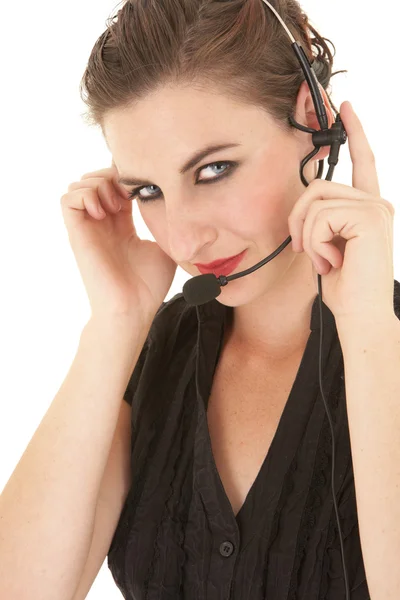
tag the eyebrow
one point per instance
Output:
(133, 180)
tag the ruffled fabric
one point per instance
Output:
(177, 536)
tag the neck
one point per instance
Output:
(277, 324)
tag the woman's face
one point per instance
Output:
(212, 211)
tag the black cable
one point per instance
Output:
(332, 160)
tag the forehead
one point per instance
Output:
(159, 135)
(186, 113)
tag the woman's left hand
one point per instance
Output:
(357, 267)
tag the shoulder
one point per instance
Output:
(171, 335)
(174, 322)
(173, 308)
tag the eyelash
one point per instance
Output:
(134, 194)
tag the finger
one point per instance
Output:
(84, 200)
(107, 194)
(317, 227)
(110, 174)
(322, 189)
(365, 175)
(115, 177)
(319, 189)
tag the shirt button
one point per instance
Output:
(226, 548)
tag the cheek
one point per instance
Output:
(262, 209)
(154, 222)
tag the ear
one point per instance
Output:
(305, 115)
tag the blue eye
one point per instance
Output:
(134, 194)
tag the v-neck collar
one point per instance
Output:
(212, 319)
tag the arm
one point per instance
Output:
(47, 508)
(371, 353)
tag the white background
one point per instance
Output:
(46, 146)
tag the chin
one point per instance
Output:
(242, 291)
(256, 285)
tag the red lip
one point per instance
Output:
(221, 267)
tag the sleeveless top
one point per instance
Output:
(177, 536)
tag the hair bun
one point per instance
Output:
(322, 69)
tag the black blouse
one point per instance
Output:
(178, 537)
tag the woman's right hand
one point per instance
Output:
(122, 274)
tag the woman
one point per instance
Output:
(231, 448)
(226, 486)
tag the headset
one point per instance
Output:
(204, 288)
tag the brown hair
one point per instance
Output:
(236, 47)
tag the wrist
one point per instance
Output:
(365, 328)
(119, 325)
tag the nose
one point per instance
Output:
(189, 230)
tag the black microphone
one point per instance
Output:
(204, 288)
